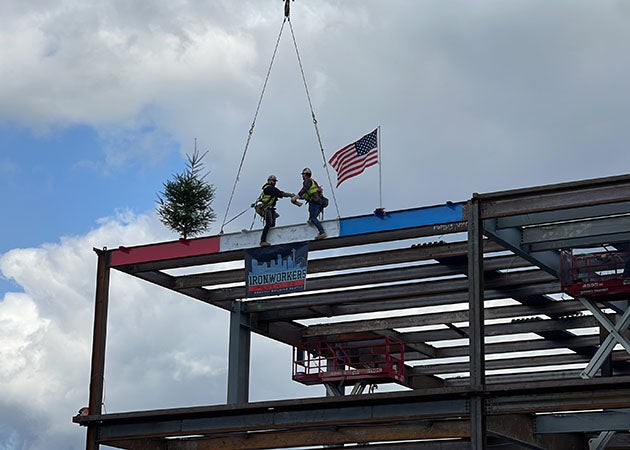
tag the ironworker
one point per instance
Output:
(312, 193)
(266, 206)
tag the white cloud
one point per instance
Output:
(463, 88)
(163, 349)
(45, 335)
(104, 62)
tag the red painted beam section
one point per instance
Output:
(165, 250)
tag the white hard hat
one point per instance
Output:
(306, 170)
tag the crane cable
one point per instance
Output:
(310, 104)
(251, 129)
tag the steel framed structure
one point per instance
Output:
(495, 353)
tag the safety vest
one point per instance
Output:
(314, 189)
(268, 201)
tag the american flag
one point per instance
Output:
(353, 159)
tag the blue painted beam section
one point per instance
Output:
(398, 220)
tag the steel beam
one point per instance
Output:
(556, 197)
(478, 429)
(384, 409)
(592, 231)
(520, 429)
(512, 238)
(377, 305)
(99, 340)
(511, 363)
(585, 422)
(534, 402)
(497, 312)
(527, 326)
(614, 337)
(397, 291)
(278, 418)
(331, 435)
(601, 441)
(564, 215)
(523, 345)
(353, 261)
(239, 356)
(324, 244)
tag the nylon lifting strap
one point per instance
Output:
(251, 129)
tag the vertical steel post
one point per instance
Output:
(476, 325)
(97, 374)
(239, 354)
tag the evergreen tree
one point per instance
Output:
(184, 206)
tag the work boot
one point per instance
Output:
(321, 235)
(276, 214)
(264, 244)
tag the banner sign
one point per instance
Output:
(278, 269)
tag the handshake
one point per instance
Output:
(295, 200)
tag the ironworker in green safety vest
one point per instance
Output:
(266, 206)
(312, 193)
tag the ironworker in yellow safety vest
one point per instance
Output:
(312, 193)
(266, 206)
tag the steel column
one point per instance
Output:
(239, 353)
(99, 338)
(476, 325)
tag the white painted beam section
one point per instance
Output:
(277, 235)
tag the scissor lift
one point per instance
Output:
(605, 273)
(378, 359)
(599, 277)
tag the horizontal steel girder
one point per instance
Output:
(330, 435)
(555, 197)
(391, 408)
(563, 215)
(516, 311)
(587, 422)
(573, 234)
(324, 244)
(283, 418)
(397, 291)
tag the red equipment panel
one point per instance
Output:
(596, 274)
(379, 359)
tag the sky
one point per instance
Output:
(100, 101)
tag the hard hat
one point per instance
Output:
(272, 177)
(306, 170)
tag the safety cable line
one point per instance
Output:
(237, 216)
(251, 129)
(310, 104)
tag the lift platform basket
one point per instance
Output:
(378, 359)
(596, 274)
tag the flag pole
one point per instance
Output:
(380, 156)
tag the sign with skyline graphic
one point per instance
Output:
(274, 270)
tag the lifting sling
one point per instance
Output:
(286, 19)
